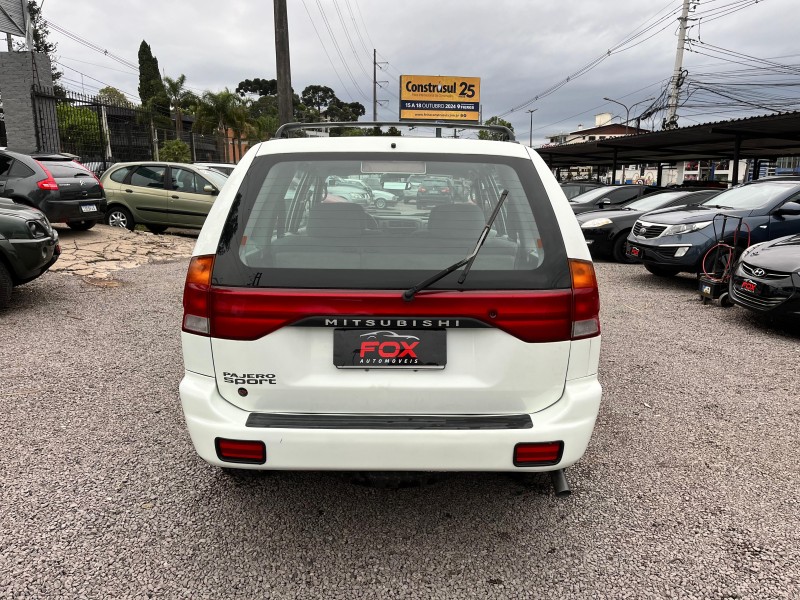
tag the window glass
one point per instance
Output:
(183, 180)
(18, 169)
(149, 177)
(120, 174)
(593, 194)
(5, 165)
(67, 169)
(287, 228)
(749, 197)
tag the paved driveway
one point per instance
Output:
(689, 488)
(99, 253)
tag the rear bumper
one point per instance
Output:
(570, 420)
(61, 211)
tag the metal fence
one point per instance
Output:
(102, 132)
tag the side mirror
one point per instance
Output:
(603, 202)
(790, 208)
(210, 189)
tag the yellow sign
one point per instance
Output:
(436, 98)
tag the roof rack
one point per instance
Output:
(284, 129)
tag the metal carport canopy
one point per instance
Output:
(767, 137)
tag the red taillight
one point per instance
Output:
(537, 454)
(49, 183)
(445, 190)
(241, 451)
(585, 300)
(421, 190)
(249, 314)
(195, 295)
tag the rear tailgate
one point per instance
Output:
(75, 182)
(513, 362)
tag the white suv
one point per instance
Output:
(321, 334)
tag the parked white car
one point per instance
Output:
(319, 335)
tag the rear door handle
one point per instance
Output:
(129, 191)
(176, 197)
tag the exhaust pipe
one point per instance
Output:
(560, 484)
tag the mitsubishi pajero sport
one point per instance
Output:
(321, 334)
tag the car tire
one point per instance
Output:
(156, 228)
(662, 271)
(618, 250)
(6, 285)
(81, 225)
(380, 203)
(119, 216)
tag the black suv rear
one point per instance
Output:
(64, 190)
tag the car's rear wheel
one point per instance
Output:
(119, 216)
(618, 251)
(662, 271)
(81, 225)
(6, 285)
(156, 228)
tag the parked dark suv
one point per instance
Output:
(28, 246)
(64, 190)
(670, 241)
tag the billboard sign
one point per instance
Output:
(440, 98)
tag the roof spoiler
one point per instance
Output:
(283, 130)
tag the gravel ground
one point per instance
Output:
(689, 488)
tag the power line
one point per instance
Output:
(75, 37)
(335, 70)
(620, 47)
(339, 50)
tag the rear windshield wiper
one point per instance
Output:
(718, 206)
(409, 294)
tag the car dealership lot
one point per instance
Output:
(689, 487)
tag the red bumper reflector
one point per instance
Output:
(241, 451)
(538, 454)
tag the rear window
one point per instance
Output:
(286, 230)
(67, 169)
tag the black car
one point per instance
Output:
(610, 195)
(28, 246)
(606, 231)
(576, 188)
(673, 240)
(435, 190)
(64, 190)
(766, 279)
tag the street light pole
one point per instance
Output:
(627, 120)
(530, 138)
(628, 110)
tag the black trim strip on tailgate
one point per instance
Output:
(316, 421)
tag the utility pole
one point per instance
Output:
(375, 83)
(530, 137)
(283, 68)
(671, 121)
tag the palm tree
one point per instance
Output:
(178, 96)
(217, 111)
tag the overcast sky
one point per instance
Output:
(519, 49)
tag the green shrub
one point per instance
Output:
(175, 151)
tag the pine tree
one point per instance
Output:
(151, 87)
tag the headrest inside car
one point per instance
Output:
(336, 220)
(456, 220)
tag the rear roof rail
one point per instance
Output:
(286, 128)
